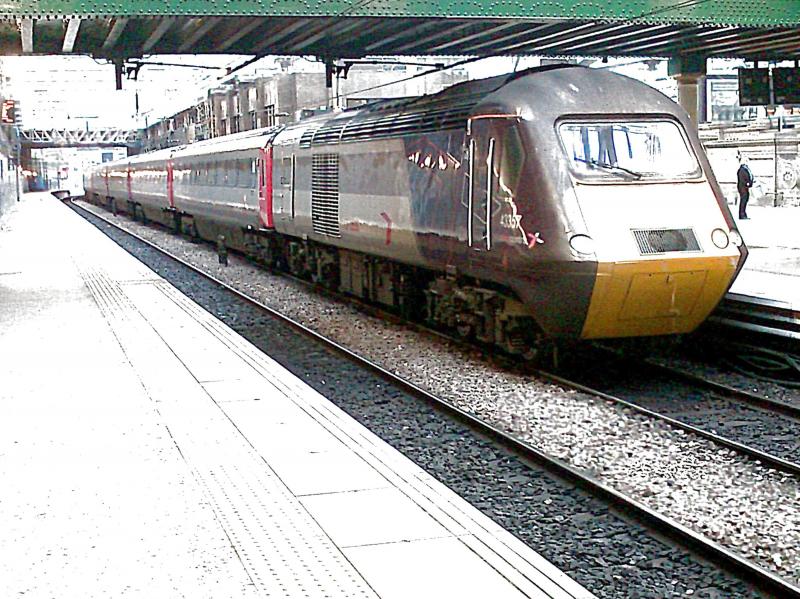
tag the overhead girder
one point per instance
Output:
(311, 32)
(589, 42)
(116, 30)
(123, 36)
(466, 39)
(318, 37)
(676, 43)
(161, 27)
(242, 31)
(195, 30)
(646, 39)
(276, 38)
(752, 42)
(414, 29)
(741, 13)
(446, 33)
(70, 35)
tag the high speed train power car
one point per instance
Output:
(558, 202)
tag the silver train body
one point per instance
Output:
(558, 202)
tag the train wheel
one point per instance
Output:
(464, 330)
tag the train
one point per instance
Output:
(555, 203)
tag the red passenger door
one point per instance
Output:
(171, 183)
(265, 187)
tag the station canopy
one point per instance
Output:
(122, 29)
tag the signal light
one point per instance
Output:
(754, 87)
(786, 85)
(762, 87)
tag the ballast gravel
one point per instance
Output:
(773, 433)
(715, 370)
(734, 501)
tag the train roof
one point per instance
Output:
(447, 109)
(541, 90)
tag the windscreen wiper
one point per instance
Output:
(611, 167)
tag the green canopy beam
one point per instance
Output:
(738, 13)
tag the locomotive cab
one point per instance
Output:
(665, 251)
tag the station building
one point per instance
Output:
(252, 103)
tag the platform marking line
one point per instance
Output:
(511, 556)
(241, 488)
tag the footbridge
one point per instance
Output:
(64, 138)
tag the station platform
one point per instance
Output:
(147, 450)
(772, 270)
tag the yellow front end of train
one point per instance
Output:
(666, 248)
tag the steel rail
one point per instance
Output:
(740, 567)
(765, 458)
(728, 392)
(757, 315)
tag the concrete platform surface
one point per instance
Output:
(146, 450)
(772, 270)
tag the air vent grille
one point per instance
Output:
(378, 125)
(660, 241)
(397, 125)
(330, 132)
(307, 136)
(325, 194)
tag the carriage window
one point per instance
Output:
(628, 150)
(246, 173)
(510, 159)
(250, 173)
(286, 171)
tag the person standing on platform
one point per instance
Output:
(744, 181)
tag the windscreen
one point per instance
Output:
(628, 150)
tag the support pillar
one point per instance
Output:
(690, 74)
(26, 157)
(24, 163)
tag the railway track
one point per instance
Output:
(757, 316)
(750, 572)
(757, 337)
(758, 427)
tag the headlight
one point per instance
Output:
(720, 238)
(583, 244)
(736, 239)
